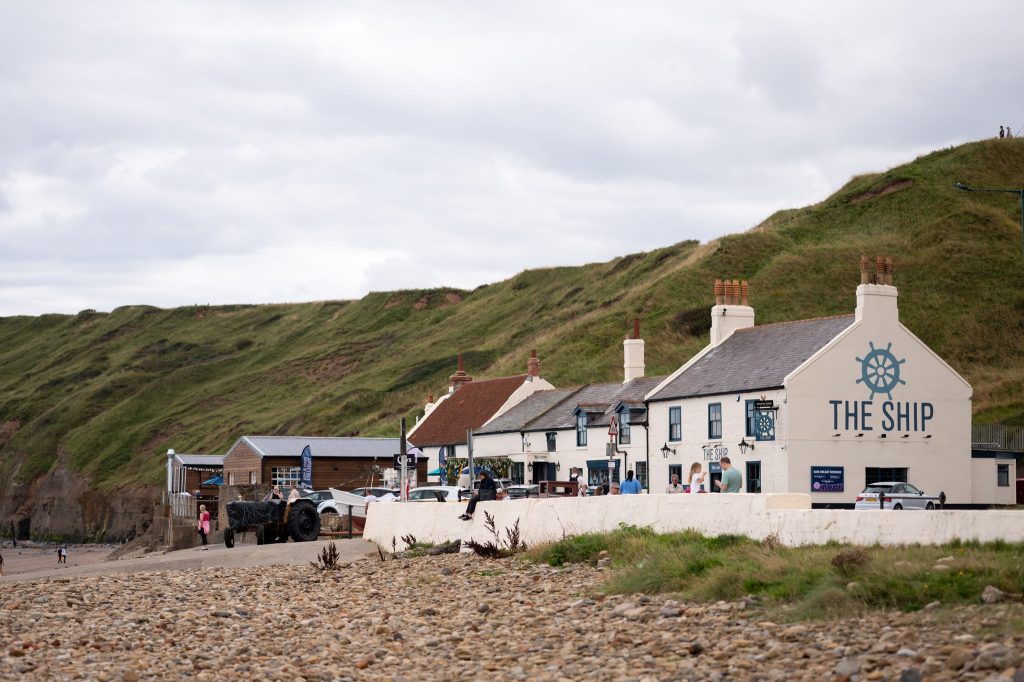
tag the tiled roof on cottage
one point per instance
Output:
(754, 358)
(517, 418)
(468, 408)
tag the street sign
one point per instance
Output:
(410, 460)
(613, 427)
(611, 464)
(609, 449)
(764, 405)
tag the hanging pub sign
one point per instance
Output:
(827, 479)
(764, 405)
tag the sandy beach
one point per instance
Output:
(30, 558)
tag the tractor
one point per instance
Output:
(273, 521)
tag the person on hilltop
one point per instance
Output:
(488, 491)
(696, 478)
(1009, 131)
(203, 525)
(630, 486)
(731, 481)
(675, 486)
(1001, 133)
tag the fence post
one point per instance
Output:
(350, 522)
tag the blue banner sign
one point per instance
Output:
(307, 468)
(827, 480)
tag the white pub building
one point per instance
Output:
(821, 406)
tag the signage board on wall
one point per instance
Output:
(828, 479)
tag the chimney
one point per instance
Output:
(633, 355)
(533, 366)
(732, 309)
(876, 298)
(460, 377)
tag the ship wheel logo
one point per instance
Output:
(880, 370)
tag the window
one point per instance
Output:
(252, 478)
(675, 470)
(518, 473)
(715, 421)
(624, 426)
(285, 476)
(751, 416)
(753, 477)
(581, 429)
(551, 436)
(881, 474)
(231, 478)
(675, 423)
(1002, 475)
(641, 473)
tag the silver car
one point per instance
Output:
(894, 495)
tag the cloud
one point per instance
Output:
(175, 153)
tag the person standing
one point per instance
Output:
(488, 491)
(696, 477)
(1, 564)
(1009, 131)
(675, 486)
(294, 493)
(731, 481)
(630, 486)
(1001, 133)
(203, 525)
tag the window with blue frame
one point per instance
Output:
(552, 437)
(581, 429)
(751, 419)
(715, 421)
(675, 423)
(624, 426)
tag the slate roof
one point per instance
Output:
(522, 414)
(200, 460)
(755, 358)
(322, 446)
(553, 414)
(469, 407)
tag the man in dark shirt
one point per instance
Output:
(488, 491)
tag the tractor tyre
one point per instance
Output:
(229, 538)
(303, 522)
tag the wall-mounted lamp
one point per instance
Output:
(859, 435)
(905, 435)
(928, 436)
(744, 446)
(665, 449)
(884, 435)
(558, 466)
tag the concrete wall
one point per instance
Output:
(984, 479)
(787, 515)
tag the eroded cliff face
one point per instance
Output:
(62, 505)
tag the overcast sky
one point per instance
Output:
(217, 152)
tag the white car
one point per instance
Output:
(894, 495)
(435, 493)
(340, 501)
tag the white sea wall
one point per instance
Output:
(787, 515)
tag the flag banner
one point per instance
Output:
(307, 468)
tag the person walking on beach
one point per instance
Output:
(203, 525)
(696, 477)
(630, 486)
(732, 480)
(675, 486)
(62, 554)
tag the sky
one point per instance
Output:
(186, 153)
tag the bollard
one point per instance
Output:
(350, 522)
(881, 500)
(942, 499)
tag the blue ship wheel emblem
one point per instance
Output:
(880, 370)
(764, 425)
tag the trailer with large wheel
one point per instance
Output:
(273, 521)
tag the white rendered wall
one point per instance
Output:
(984, 481)
(755, 516)
(937, 453)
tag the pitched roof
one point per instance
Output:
(600, 398)
(200, 460)
(322, 446)
(754, 358)
(470, 407)
(536, 404)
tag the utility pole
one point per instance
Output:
(469, 459)
(403, 447)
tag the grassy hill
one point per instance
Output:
(105, 394)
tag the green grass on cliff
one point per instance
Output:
(107, 393)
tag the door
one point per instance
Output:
(753, 477)
(551, 473)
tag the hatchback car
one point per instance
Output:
(894, 495)
(520, 492)
(376, 492)
(435, 493)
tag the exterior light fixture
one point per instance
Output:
(884, 436)
(744, 446)
(836, 435)
(859, 435)
(665, 449)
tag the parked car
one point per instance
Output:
(318, 496)
(519, 492)
(435, 493)
(376, 492)
(894, 495)
(339, 503)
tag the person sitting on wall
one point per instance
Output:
(502, 496)
(488, 491)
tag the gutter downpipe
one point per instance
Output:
(647, 443)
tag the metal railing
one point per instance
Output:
(997, 437)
